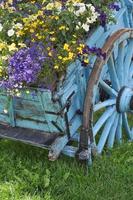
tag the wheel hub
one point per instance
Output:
(124, 101)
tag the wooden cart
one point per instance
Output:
(92, 106)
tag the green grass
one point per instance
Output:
(26, 174)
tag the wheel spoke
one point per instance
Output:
(113, 132)
(113, 74)
(126, 126)
(128, 60)
(115, 52)
(105, 133)
(131, 71)
(119, 65)
(119, 130)
(108, 89)
(104, 104)
(102, 120)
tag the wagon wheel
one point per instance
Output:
(114, 111)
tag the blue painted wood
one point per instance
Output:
(119, 130)
(105, 133)
(113, 74)
(108, 89)
(111, 137)
(105, 116)
(127, 62)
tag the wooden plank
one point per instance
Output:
(37, 125)
(4, 119)
(38, 138)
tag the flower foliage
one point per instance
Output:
(40, 38)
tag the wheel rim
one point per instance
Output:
(114, 113)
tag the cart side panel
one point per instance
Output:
(36, 112)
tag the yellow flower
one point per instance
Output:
(65, 59)
(56, 17)
(50, 53)
(5, 57)
(21, 44)
(40, 12)
(25, 20)
(19, 33)
(39, 37)
(66, 47)
(34, 24)
(31, 30)
(56, 5)
(79, 50)
(53, 39)
(62, 27)
(70, 55)
(52, 32)
(12, 47)
(60, 57)
(2, 46)
(86, 60)
(73, 42)
(82, 45)
(56, 67)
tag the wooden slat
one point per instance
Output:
(38, 138)
(37, 125)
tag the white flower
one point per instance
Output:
(19, 26)
(78, 26)
(5, 111)
(10, 32)
(91, 7)
(1, 27)
(81, 8)
(86, 27)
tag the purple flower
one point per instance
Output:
(103, 17)
(24, 67)
(91, 51)
(114, 6)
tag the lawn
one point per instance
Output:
(26, 174)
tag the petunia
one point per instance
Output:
(10, 32)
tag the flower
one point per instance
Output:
(56, 67)
(24, 67)
(81, 8)
(86, 27)
(62, 27)
(12, 47)
(66, 47)
(3, 45)
(19, 26)
(10, 32)
(48, 36)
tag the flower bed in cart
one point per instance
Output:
(39, 39)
